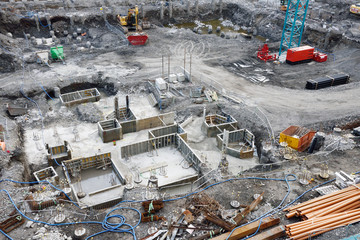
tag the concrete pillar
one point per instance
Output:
(220, 6)
(116, 104)
(204, 113)
(142, 11)
(188, 7)
(162, 10)
(37, 22)
(56, 92)
(170, 9)
(213, 5)
(197, 7)
(47, 16)
(72, 21)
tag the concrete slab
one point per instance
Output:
(168, 155)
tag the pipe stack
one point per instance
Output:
(325, 213)
(316, 226)
(336, 202)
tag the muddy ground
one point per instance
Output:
(263, 97)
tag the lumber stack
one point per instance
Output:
(325, 213)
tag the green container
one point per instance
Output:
(57, 52)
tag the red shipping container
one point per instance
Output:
(299, 55)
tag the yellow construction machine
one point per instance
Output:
(130, 22)
(355, 9)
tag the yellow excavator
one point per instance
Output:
(130, 22)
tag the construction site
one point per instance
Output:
(179, 119)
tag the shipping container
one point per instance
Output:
(299, 55)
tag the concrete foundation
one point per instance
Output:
(215, 124)
(241, 143)
(96, 178)
(57, 154)
(110, 130)
(73, 98)
(48, 174)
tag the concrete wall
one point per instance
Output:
(110, 130)
(215, 124)
(60, 153)
(241, 135)
(88, 95)
(168, 130)
(156, 121)
(188, 154)
(147, 145)
(128, 126)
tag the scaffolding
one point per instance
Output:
(294, 24)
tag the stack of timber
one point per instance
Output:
(325, 213)
(328, 81)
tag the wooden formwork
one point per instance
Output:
(73, 98)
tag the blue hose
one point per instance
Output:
(5, 235)
(57, 162)
(41, 22)
(46, 92)
(108, 226)
(42, 181)
(117, 227)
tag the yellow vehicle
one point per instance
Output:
(355, 8)
(130, 22)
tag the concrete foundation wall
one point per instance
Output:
(168, 130)
(157, 121)
(148, 145)
(241, 135)
(60, 153)
(88, 162)
(88, 95)
(188, 154)
(128, 126)
(110, 130)
(215, 124)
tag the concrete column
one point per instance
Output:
(83, 18)
(213, 5)
(37, 22)
(162, 10)
(116, 104)
(47, 16)
(197, 7)
(221, 5)
(72, 21)
(142, 11)
(204, 113)
(170, 9)
(188, 7)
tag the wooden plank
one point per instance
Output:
(218, 221)
(270, 234)
(249, 229)
(241, 216)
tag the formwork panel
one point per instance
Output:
(78, 97)
(110, 130)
